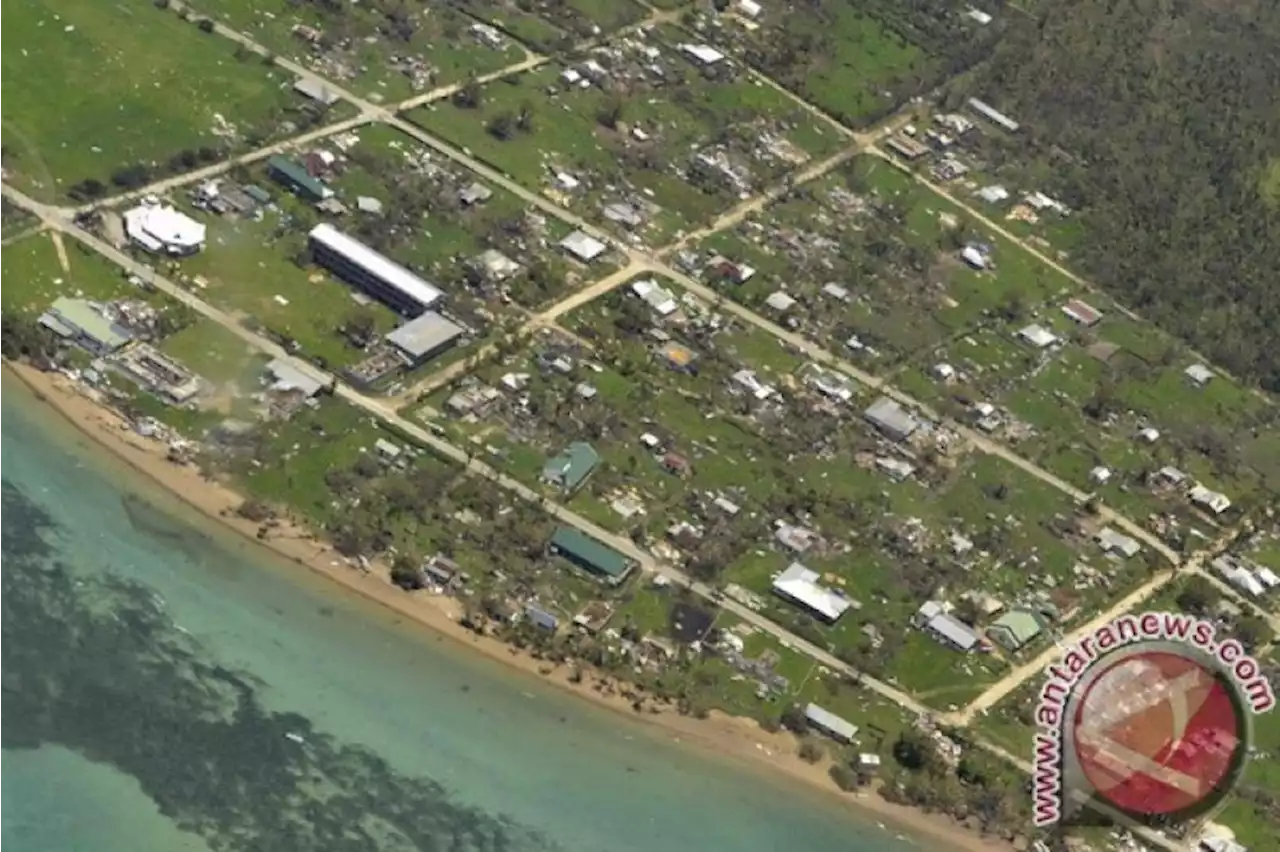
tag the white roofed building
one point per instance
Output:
(283, 376)
(163, 229)
(375, 274)
(655, 296)
(702, 54)
(800, 586)
(830, 724)
(1212, 500)
(583, 247)
(1038, 336)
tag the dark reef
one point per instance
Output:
(93, 663)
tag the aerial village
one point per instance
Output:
(655, 373)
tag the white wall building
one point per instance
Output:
(162, 229)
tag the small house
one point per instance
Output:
(474, 193)
(795, 538)
(583, 247)
(1117, 543)
(1213, 501)
(1038, 336)
(780, 301)
(1199, 374)
(945, 627)
(568, 470)
(676, 464)
(1082, 312)
(702, 54)
(540, 618)
(295, 177)
(1015, 630)
(800, 586)
(891, 419)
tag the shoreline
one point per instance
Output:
(738, 739)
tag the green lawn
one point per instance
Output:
(543, 25)
(218, 355)
(34, 277)
(563, 134)
(860, 58)
(440, 38)
(246, 268)
(90, 88)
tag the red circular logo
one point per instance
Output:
(1158, 733)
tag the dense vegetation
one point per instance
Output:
(1158, 120)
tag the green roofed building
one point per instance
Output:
(295, 176)
(591, 555)
(568, 470)
(1015, 630)
(84, 323)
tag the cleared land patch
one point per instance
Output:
(110, 117)
(387, 52)
(638, 135)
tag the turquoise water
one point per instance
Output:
(151, 672)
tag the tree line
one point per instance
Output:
(1158, 123)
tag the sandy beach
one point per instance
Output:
(738, 739)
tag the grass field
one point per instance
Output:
(564, 133)
(440, 39)
(34, 275)
(543, 25)
(857, 59)
(106, 108)
(247, 269)
(885, 239)
(217, 355)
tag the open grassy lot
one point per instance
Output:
(427, 223)
(216, 354)
(387, 56)
(34, 274)
(833, 54)
(548, 25)
(78, 105)
(651, 134)
(248, 268)
(871, 260)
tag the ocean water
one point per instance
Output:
(152, 668)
